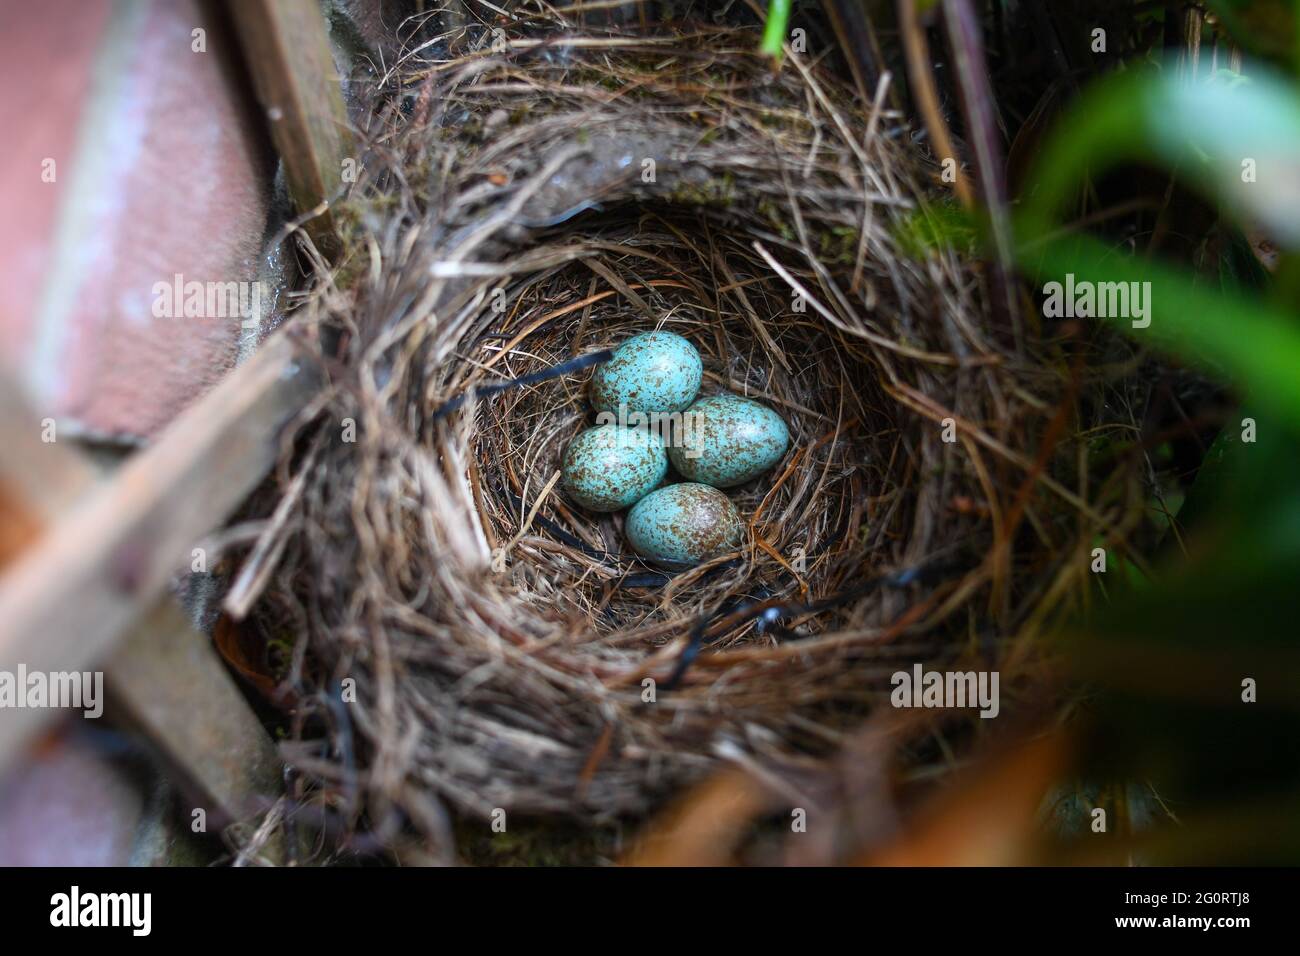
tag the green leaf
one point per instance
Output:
(1237, 141)
(1249, 341)
(1204, 130)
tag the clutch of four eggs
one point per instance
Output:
(646, 395)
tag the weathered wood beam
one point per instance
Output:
(175, 688)
(37, 477)
(287, 51)
(165, 674)
(100, 568)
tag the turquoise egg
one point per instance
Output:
(682, 525)
(607, 468)
(726, 440)
(650, 372)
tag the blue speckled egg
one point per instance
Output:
(681, 525)
(608, 467)
(726, 440)
(650, 372)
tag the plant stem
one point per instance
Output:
(774, 29)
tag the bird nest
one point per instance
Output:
(462, 633)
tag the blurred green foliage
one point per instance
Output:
(1198, 670)
(1265, 27)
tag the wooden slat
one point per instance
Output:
(165, 674)
(287, 53)
(177, 690)
(102, 566)
(38, 478)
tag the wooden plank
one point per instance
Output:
(102, 565)
(287, 52)
(37, 477)
(176, 689)
(166, 674)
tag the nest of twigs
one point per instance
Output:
(507, 649)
